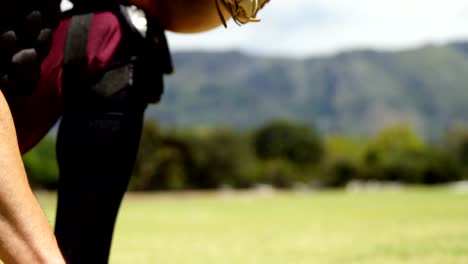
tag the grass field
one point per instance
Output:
(420, 226)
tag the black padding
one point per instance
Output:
(25, 71)
(30, 28)
(8, 42)
(8, 47)
(25, 58)
(44, 42)
(50, 12)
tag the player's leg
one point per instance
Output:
(97, 147)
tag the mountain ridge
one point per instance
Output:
(355, 92)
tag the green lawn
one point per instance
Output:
(420, 226)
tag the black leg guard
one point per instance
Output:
(25, 39)
(96, 152)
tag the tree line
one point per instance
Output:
(281, 153)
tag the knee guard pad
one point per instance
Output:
(26, 30)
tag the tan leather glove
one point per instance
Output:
(242, 11)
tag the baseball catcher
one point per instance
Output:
(93, 69)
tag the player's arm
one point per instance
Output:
(25, 234)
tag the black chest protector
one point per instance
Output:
(139, 63)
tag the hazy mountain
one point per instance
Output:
(356, 92)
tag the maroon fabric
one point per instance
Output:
(38, 113)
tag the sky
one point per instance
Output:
(303, 28)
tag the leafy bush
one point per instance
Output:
(193, 161)
(279, 173)
(297, 143)
(165, 171)
(441, 168)
(399, 154)
(280, 154)
(161, 162)
(338, 173)
(223, 157)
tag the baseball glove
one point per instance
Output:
(242, 11)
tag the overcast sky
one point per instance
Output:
(313, 27)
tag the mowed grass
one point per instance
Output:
(417, 225)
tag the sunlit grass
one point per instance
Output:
(411, 226)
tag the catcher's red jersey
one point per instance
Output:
(38, 113)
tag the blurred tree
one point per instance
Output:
(456, 140)
(297, 143)
(399, 154)
(223, 157)
(189, 159)
(339, 172)
(394, 154)
(162, 161)
(396, 139)
(279, 173)
(149, 143)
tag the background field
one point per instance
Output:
(402, 226)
